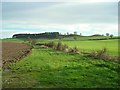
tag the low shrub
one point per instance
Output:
(64, 47)
(50, 44)
(102, 54)
(59, 46)
(74, 50)
(31, 42)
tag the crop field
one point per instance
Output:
(12, 52)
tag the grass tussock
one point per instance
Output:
(102, 54)
(51, 44)
(62, 47)
(74, 50)
(59, 46)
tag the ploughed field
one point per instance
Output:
(12, 52)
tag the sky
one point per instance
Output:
(83, 16)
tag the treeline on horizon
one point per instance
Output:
(55, 35)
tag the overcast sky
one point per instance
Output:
(93, 17)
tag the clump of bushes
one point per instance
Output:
(50, 44)
(31, 41)
(62, 47)
(102, 54)
(59, 46)
(65, 48)
(74, 50)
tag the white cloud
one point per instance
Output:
(10, 33)
(85, 18)
(85, 29)
(63, 13)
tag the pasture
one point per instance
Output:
(49, 68)
(83, 44)
(93, 45)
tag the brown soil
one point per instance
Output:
(13, 52)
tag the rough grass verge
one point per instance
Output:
(62, 47)
(102, 54)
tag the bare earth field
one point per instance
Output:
(12, 52)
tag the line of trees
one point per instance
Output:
(40, 35)
(55, 35)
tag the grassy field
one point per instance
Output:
(47, 68)
(70, 38)
(82, 43)
(90, 45)
(13, 40)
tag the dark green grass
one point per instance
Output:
(47, 68)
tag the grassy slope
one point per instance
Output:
(49, 68)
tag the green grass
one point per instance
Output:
(47, 68)
(82, 43)
(70, 38)
(90, 45)
(85, 45)
(13, 40)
